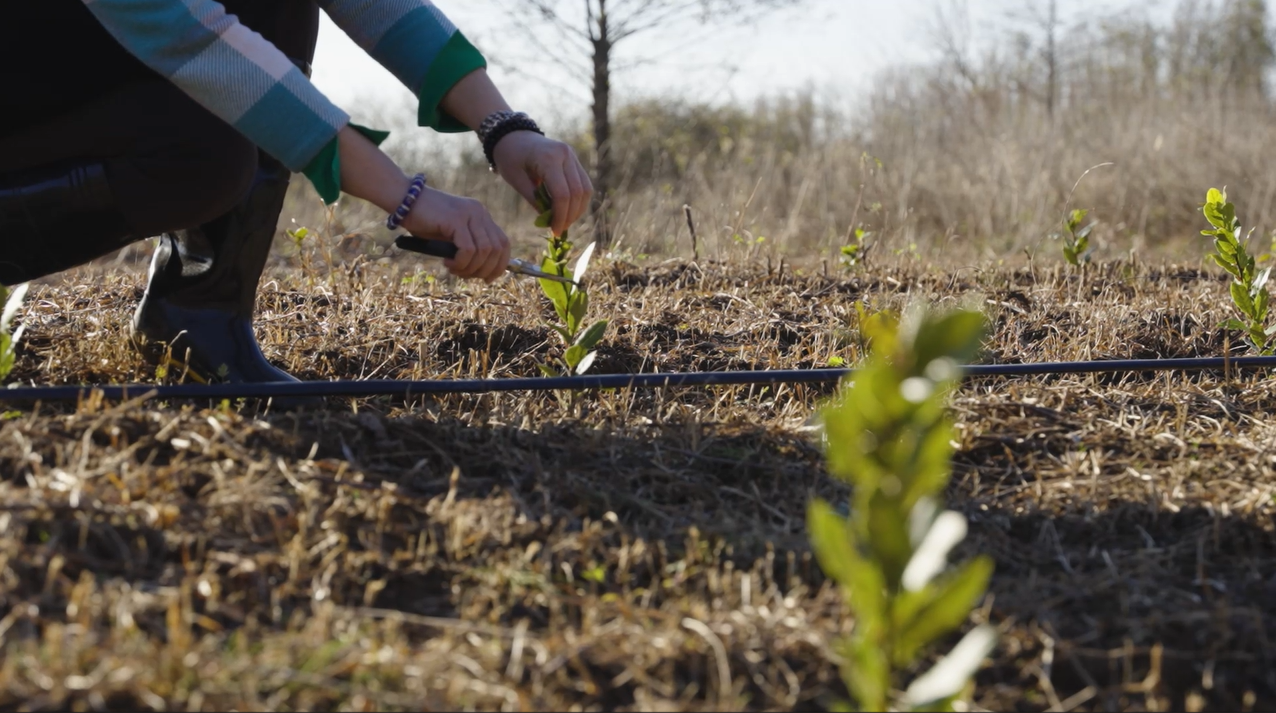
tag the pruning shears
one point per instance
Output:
(447, 251)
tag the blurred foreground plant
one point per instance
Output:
(889, 436)
(571, 302)
(1249, 284)
(12, 299)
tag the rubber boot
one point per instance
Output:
(55, 219)
(202, 288)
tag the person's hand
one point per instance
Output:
(483, 249)
(526, 159)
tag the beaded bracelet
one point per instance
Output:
(498, 126)
(414, 192)
(490, 122)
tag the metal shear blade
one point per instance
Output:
(522, 267)
(447, 250)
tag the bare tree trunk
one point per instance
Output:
(603, 168)
(1052, 59)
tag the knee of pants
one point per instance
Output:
(201, 172)
(226, 171)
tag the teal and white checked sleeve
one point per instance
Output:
(417, 43)
(230, 70)
(243, 79)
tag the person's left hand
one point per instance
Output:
(526, 159)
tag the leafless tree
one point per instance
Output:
(581, 37)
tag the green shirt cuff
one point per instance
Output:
(324, 170)
(457, 59)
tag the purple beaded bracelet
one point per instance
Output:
(414, 192)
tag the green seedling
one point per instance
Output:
(1076, 239)
(571, 302)
(889, 436)
(9, 341)
(1249, 284)
(855, 251)
(299, 236)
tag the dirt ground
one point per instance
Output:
(622, 550)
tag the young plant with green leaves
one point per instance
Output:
(889, 436)
(1249, 284)
(855, 251)
(1076, 239)
(571, 302)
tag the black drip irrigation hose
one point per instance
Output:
(389, 387)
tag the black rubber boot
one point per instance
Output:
(202, 290)
(55, 219)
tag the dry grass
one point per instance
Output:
(621, 550)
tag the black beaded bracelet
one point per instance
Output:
(504, 127)
(491, 120)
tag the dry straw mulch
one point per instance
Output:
(621, 550)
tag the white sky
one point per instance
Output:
(834, 46)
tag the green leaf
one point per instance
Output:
(582, 262)
(592, 336)
(867, 673)
(557, 292)
(944, 608)
(7, 356)
(585, 363)
(953, 673)
(1260, 280)
(1257, 336)
(577, 308)
(943, 705)
(956, 336)
(545, 219)
(831, 541)
(930, 556)
(836, 550)
(931, 460)
(1235, 324)
(1226, 265)
(888, 536)
(1241, 298)
(574, 355)
(562, 332)
(12, 303)
(548, 370)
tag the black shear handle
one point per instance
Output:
(436, 248)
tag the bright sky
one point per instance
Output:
(833, 45)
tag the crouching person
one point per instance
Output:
(186, 119)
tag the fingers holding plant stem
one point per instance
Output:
(560, 192)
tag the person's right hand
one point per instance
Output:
(483, 249)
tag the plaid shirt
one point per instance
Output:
(243, 79)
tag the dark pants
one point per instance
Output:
(75, 96)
